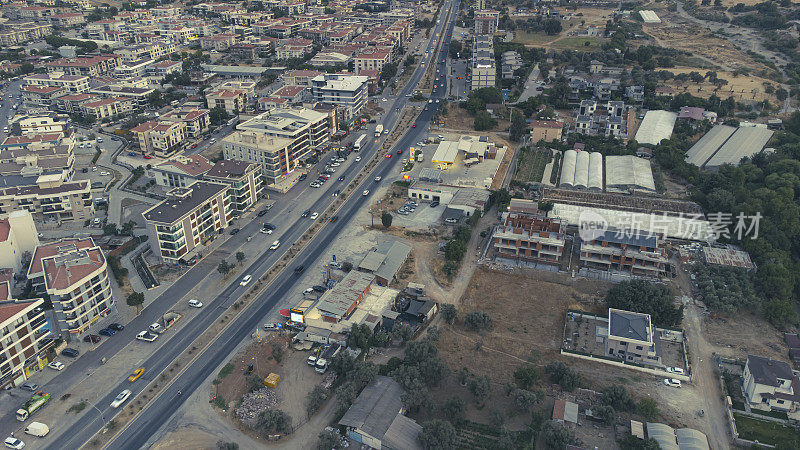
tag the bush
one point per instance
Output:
(555, 436)
(347, 266)
(526, 375)
(274, 421)
(480, 387)
(315, 399)
(563, 375)
(644, 297)
(648, 408)
(449, 313)
(618, 397)
(438, 435)
(477, 321)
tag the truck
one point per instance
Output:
(37, 429)
(36, 401)
(419, 157)
(357, 144)
(321, 366)
(378, 130)
(147, 336)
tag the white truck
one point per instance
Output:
(37, 429)
(147, 336)
(419, 157)
(321, 365)
(378, 130)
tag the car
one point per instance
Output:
(434, 203)
(314, 216)
(105, 173)
(148, 157)
(437, 100)
(378, 178)
(106, 332)
(136, 374)
(315, 184)
(341, 178)
(308, 291)
(88, 145)
(319, 288)
(93, 338)
(56, 365)
(71, 352)
(262, 212)
(275, 245)
(672, 382)
(12, 442)
(358, 158)
(336, 164)
(116, 326)
(383, 99)
(451, 220)
(131, 153)
(115, 138)
(265, 231)
(194, 303)
(676, 370)
(270, 326)
(120, 398)
(414, 126)
(246, 280)
(306, 213)
(234, 231)
(29, 386)
(194, 146)
(81, 146)
(365, 193)
(336, 193)
(299, 269)
(388, 155)
(334, 218)
(269, 226)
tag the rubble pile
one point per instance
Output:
(254, 403)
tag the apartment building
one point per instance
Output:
(181, 171)
(25, 338)
(17, 237)
(67, 20)
(163, 68)
(631, 337)
(770, 385)
(349, 92)
(108, 108)
(162, 138)
(486, 21)
(15, 33)
(189, 218)
(530, 237)
(69, 83)
(244, 178)
(197, 120)
(372, 61)
(630, 251)
(292, 94)
(218, 42)
(133, 69)
(300, 77)
(276, 155)
(74, 273)
(233, 101)
(71, 103)
(50, 199)
(484, 71)
(89, 66)
(151, 50)
(546, 130)
(40, 96)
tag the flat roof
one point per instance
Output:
(728, 257)
(342, 295)
(172, 209)
(446, 152)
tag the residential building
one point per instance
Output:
(74, 273)
(189, 218)
(51, 199)
(18, 237)
(181, 171)
(89, 66)
(233, 101)
(632, 251)
(163, 68)
(530, 237)
(631, 337)
(19, 32)
(349, 92)
(510, 62)
(67, 20)
(244, 179)
(132, 69)
(218, 42)
(770, 385)
(372, 61)
(484, 71)
(25, 338)
(197, 120)
(385, 260)
(40, 96)
(486, 21)
(546, 130)
(108, 108)
(300, 77)
(40, 124)
(162, 138)
(376, 418)
(70, 83)
(292, 94)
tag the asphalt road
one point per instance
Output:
(144, 427)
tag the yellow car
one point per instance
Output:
(136, 374)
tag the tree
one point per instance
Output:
(648, 408)
(438, 435)
(477, 321)
(563, 375)
(781, 94)
(315, 398)
(453, 410)
(455, 249)
(218, 115)
(402, 331)
(135, 299)
(359, 337)
(127, 228)
(555, 436)
(605, 413)
(389, 70)
(552, 26)
(518, 127)
(525, 399)
(434, 333)
(480, 387)
(618, 397)
(328, 440)
(416, 396)
(227, 445)
(632, 442)
(274, 421)
(526, 375)
(110, 229)
(239, 257)
(779, 312)
(342, 363)
(484, 121)
(449, 313)
(455, 48)
(386, 219)
(644, 297)
(224, 268)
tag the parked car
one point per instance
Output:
(672, 382)
(12, 442)
(194, 303)
(106, 332)
(269, 226)
(71, 352)
(676, 370)
(234, 231)
(319, 288)
(262, 212)
(270, 326)
(116, 326)
(303, 176)
(29, 386)
(434, 203)
(56, 365)
(93, 338)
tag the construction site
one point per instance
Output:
(621, 202)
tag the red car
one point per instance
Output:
(388, 155)
(399, 151)
(148, 157)
(194, 145)
(93, 338)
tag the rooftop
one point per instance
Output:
(630, 325)
(768, 371)
(172, 209)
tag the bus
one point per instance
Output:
(357, 143)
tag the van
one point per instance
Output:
(155, 328)
(37, 429)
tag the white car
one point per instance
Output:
(12, 442)
(672, 382)
(265, 231)
(377, 179)
(677, 370)
(314, 216)
(358, 158)
(274, 246)
(104, 173)
(120, 399)
(335, 164)
(246, 280)
(383, 99)
(194, 303)
(57, 365)
(365, 193)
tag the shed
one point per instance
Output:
(707, 145)
(564, 411)
(629, 173)
(446, 153)
(385, 261)
(568, 168)
(582, 170)
(595, 171)
(656, 126)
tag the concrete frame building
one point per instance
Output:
(25, 339)
(18, 236)
(349, 92)
(50, 198)
(770, 385)
(632, 251)
(181, 171)
(244, 179)
(530, 237)
(71, 83)
(631, 337)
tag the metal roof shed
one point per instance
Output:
(595, 171)
(745, 142)
(568, 168)
(663, 434)
(708, 145)
(691, 439)
(582, 170)
(445, 153)
(656, 126)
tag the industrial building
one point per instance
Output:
(385, 261)
(582, 170)
(445, 154)
(629, 174)
(656, 126)
(727, 145)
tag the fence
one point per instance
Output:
(627, 365)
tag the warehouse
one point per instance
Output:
(568, 169)
(595, 171)
(629, 174)
(656, 126)
(445, 154)
(745, 142)
(649, 16)
(582, 170)
(705, 148)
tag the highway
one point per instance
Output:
(144, 426)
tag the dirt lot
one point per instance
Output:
(743, 334)
(742, 88)
(571, 28)
(459, 119)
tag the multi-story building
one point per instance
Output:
(244, 178)
(188, 218)
(51, 198)
(530, 237)
(25, 338)
(770, 385)
(372, 61)
(276, 155)
(41, 96)
(74, 273)
(349, 92)
(218, 42)
(233, 101)
(70, 83)
(108, 108)
(631, 251)
(197, 120)
(89, 66)
(181, 171)
(40, 124)
(162, 68)
(17, 237)
(486, 21)
(510, 62)
(15, 33)
(546, 130)
(484, 71)
(132, 69)
(631, 337)
(163, 138)
(67, 20)
(300, 77)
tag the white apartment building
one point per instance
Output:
(18, 236)
(346, 91)
(72, 83)
(24, 336)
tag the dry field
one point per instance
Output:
(459, 119)
(742, 88)
(743, 334)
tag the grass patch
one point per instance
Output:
(556, 169)
(579, 44)
(77, 407)
(526, 38)
(531, 164)
(772, 433)
(226, 370)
